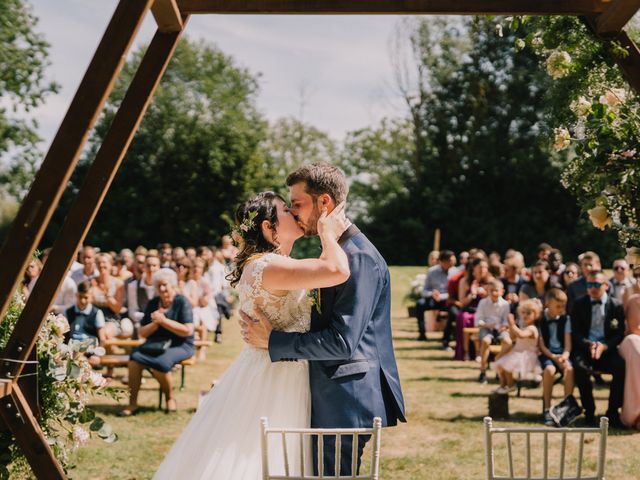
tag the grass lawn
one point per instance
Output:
(445, 406)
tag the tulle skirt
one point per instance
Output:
(523, 362)
(222, 440)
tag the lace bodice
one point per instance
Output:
(288, 313)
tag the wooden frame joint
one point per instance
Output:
(167, 16)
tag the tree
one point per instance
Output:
(23, 87)
(290, 143)
(476, 168)
(192, 161)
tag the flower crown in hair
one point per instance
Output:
(246, 225)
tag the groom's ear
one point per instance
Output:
(325, 201)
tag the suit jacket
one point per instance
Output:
(581, 324)
(576, 290)
(352, 366)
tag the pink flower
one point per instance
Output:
(628, 153)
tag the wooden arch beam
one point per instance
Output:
(616, 16)
(440, 7)
(167, 15)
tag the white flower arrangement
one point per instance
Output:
(558, 64)
(415, 291)
(66, 383)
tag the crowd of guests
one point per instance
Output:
(550, 318)
(169, 296)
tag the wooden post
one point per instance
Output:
(436, 240)
(52, 177)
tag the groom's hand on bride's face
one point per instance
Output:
(255, 330)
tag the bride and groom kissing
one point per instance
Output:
(318, 337)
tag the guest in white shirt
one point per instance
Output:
(66, 296)
(435, 292)
(491, 316)
(89, 270)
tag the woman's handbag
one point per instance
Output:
(155, 347)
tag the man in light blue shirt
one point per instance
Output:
(434, 293)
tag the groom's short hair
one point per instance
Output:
(321, 178)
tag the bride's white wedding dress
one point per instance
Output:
(222, 440)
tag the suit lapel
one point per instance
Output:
(321, 320)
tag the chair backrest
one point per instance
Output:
(490, 431)
(298, 469)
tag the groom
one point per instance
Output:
(352, 367)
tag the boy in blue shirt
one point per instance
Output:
(86, 321)
(555, 345)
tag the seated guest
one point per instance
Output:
(435, 293)
(168, 327)
(140, 291)
(88, 270)
(165, 252)
(497, 269)
(512, 280)
(620, 280)
(589, 261)
(555, 348)
(543, 251)
(523, 357)
(463, 260)
(597, 325)
(432, 259)
(31, 277)
(630, 351)
(470, 291)
(220, 289)
(228, 249)
(491, 317)
(556, 267)
(107, 293)
(120, 270)
(454, 306)
(540, 282)
(635, 285)
(86, 322)
(569, 275)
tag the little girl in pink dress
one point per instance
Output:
(523, 357)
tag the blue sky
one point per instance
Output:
(340, 62)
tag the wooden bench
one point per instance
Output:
(469, 334)
(123, 360)
(124, 342)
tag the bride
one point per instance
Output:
(222, 441)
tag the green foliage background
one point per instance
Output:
(470, 157)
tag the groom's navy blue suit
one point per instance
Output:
(352, 366)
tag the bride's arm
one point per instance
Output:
(332, 268)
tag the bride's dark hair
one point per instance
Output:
(248, 233)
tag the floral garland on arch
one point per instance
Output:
(597, 121)
(65, 384)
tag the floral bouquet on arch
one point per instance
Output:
(603, 170)
(65, 384)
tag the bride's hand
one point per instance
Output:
(332, 225)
